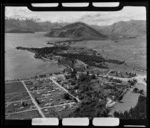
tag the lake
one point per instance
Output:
(22, 64)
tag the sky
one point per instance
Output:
(95, 18)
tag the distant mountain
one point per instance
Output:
(132, 28)
(18, 31)
(121, 29)
(76, 30)
(28, 25)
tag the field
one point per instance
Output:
(132, 51)
(60, 111)
(14, 87)
(24, 115)
(129, 100)
(122, 74)
(17, 96)
(17, 106)
(99, 71)
(38, 95)
(15, 91)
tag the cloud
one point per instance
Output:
(107, 18)
(98, 18)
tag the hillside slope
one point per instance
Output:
(130, 28)
(28, 25)
(76, 30)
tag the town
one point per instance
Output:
(87, 87)
(63, 94)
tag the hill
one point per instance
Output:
(132, 28)
(13, 25)
(76, 30)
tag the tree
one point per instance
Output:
(37, 101)
(93, 76)
(138, 112)
(24, 104)
(135, 90)
(73, 73)
(67, 96)
(135, 81)
(87, 73)
(141, 91)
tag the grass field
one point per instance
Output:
(17, 96)
(60, 111)
(17, 106)
(14, 87)
(24, 115)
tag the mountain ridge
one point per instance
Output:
(132, 28)
(77, 30)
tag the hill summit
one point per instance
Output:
(77, 30)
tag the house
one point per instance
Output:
(49, 94)
(110, 102)
(38, 92)
(67, 86)
(44, 95)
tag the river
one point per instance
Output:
(21, 63)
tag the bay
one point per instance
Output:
(22, 64)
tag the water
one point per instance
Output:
(22, 64)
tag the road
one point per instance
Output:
(106, 74)
(41, 108)
(51, 78)
(58, 105)
(33, 100)
(139, 78)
